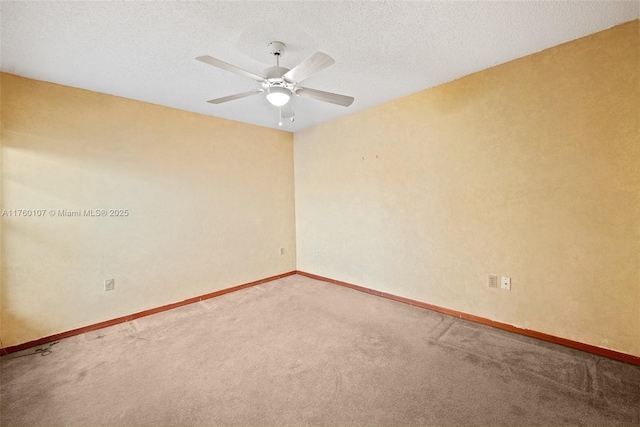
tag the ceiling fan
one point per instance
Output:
(280, 83)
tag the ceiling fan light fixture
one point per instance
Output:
(278, 96)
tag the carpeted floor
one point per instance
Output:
(298, 351)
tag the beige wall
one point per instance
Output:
(528, 170)
(210, 200)
(1, 222)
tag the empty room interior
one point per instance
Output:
(320, 213)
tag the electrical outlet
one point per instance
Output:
(281, 251)
(506, 283)
(493, 281)
(109, 285)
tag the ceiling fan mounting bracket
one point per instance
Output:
(276, 48)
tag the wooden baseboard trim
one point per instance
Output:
(134, 316)
(612, 354)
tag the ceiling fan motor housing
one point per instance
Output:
(275, 73)
(273, 78)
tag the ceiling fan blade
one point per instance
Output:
(232, 97)
(321, 95)
(316, 62)
(287, 110)
(228, 67)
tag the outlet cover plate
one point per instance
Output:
(493, 281)
(109, 285)
(505, 283)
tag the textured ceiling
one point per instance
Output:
(383, 50)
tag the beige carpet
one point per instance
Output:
(298, 351)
